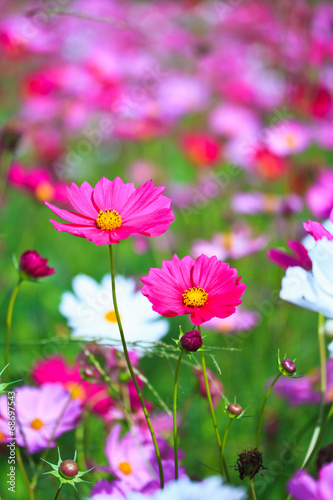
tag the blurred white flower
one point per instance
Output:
(89, 312)
(312, 290)
(184, 489)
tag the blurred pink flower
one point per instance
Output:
(39, 182)
(287, 137)
(113, 210)
(256, 203)
(306, 390)
(231, 245)
(232, 120)
(241, 321)
(215, 386)
(319, 196)
(304, 487)
(203, 288)
(202, 149)
(40, 413)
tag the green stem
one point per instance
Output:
(129, 364)
(253, 492)
(9, 324)
(175, 437)
(212, 412)
(24, 474)
(263, 409)
(323, 385)
(225, 440)
(57, 494)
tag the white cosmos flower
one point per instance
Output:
(312, 289)
(184, 489)
(90, 313)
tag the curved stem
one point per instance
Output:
(323, 385)
(212, 412)
(129, 365)
(263, 409)
(253, 492)
(57, 494)
(9, 324)
(175, 437)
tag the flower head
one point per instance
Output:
(90, 313)
(249, 463)
(33, 266)
(113, 210)
(204, 288)
(40, 411)
(302, 485)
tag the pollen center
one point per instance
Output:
(108, 220)
(125, 468)
(195, 297)
(37, 424)
(111, 316)
(290, 140)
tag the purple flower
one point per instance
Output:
(32, 265)
(191, 341)
(40, 413)
(304, 487)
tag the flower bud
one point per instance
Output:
(249, 463)
(288, 366)
(69, 469)
(33, 266)
(234, 409)
(191, 341)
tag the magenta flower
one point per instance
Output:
(41, 413)
(304, 487)
(113, 210)
(32, 265)
(317, 230)
(204, 288)
(319, 196)
(284, 260)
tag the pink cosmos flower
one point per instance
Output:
(256, 203)
(287, 138)
(304, 487)
(204, 288)
(34, 266)
(202, 149)
(39, 182)
(306, 390)
(38, 409)
(55, 370)
(317, 230)
(241, 321)
(284, 260)
(234, 245)
(319, 197)
(113, 210)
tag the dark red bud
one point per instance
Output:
(191, 341)
(288, 365)
(235, 409)
(68, 469)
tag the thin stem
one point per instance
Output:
(129, 364)
(9, 324)
(175, 437)
(57, 494)
(263, 409)
(24, 474)
(225, 439)
(253, 492)
(323, 385)
(212, 412)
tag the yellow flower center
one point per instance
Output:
(270, 202)
(44, 191)
(77, 392)
(37, 424)
(125, 468)
(194, 297)
(111, 316)
(291, 140)
(108, 220)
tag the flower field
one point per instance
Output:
(166, 249)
